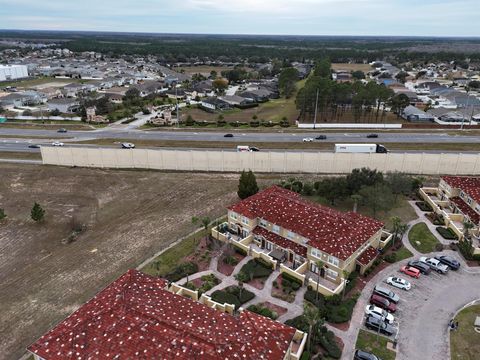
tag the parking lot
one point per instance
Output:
(424, 311)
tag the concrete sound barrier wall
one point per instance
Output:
(265, 161)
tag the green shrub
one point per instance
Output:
(255, 123)
(391, 258)
(240, 251)
(299, 322)
(422, 205)
(256, 268)
(258, 309)
(222, 297)
(447, 233)
(340, 313)
(181, 271)
(295, 283)
(311, 296)
(327, 341)
(230, 260)
(305, 355)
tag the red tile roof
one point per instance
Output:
(281, 241)
(331, 231)
(135, 317)
(368, 256)
(466, 209)
(469, 185)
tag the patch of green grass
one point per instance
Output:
(168, 260)
(375, 344)
(465, 344)
(403, 253)
(422, 239)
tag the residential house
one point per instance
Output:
(213, 104)
(51, 92)
(414, 114)
(64, 105)
(20, 99)
(342, 76)
(235, 100)
(295, 235)
(257, 95)
(92, 116)
(143, 317)
(457, 200)
(178, 94)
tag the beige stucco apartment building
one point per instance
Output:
(296, 236)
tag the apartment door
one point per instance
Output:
(290, 256)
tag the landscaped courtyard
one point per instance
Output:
(465, 341)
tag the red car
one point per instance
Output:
(383, 303)
(410, 271)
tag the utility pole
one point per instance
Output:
(316, 111)
(466, 107)
(178, 109)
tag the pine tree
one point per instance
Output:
(2, 214)
(247, 185)
(37, 212)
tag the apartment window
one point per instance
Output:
(233, 216)
(244, 220)
(276, 229)
(469, 201)
(331, 274)
(462, 194)
(333, 260)
(268, 245)
(263, 223)
(290, 235)
(317, 253)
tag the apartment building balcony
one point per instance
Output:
(298, 345)
(323, 285)
(223, 233)
(385, 238)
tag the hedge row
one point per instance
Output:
(181, 271)
(262, 310)
(447, 233)
(422, 205)
(254, 269)
(233, 295)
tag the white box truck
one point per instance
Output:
(360, 148)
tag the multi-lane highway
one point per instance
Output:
(278, 136)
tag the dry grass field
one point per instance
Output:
(352, 67)
(129, 216)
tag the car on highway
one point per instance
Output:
(57, 143)
(410, 271)
(308, 139)
(383, 303)
(62, 130)
(399, 282)
(363, 355)
(424, 268)
(228, 135)
(434, 264)
(449, 261)
(254, 149)
(34, 146)
(372, 310)
(321, 137)
(372, 136)
(386, 293)
(128, 146)
(379, 325)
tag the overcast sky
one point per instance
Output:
(291, 17)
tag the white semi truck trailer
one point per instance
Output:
(360, 148)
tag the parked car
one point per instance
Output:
(128, 146)
(449, 261)
(321, 137)
(308, 139)
(363, 355)
(434, 264)
(62, 130)
(386, 293)
(383, 303)
(375, 324)
(372, 310)
(228, 135)
(57, 143)
(253, 148)
(399, 282)
(372, 136)
(424, 268)
(410, 271)
(34, 146)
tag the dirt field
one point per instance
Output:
(130, 215)
(352, 67)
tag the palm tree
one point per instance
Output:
(314, 318)
(194, 222)
(346, 274)
(356, 199)
(205, 222)
(396, 222)
(320, 264)
(467, 226)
